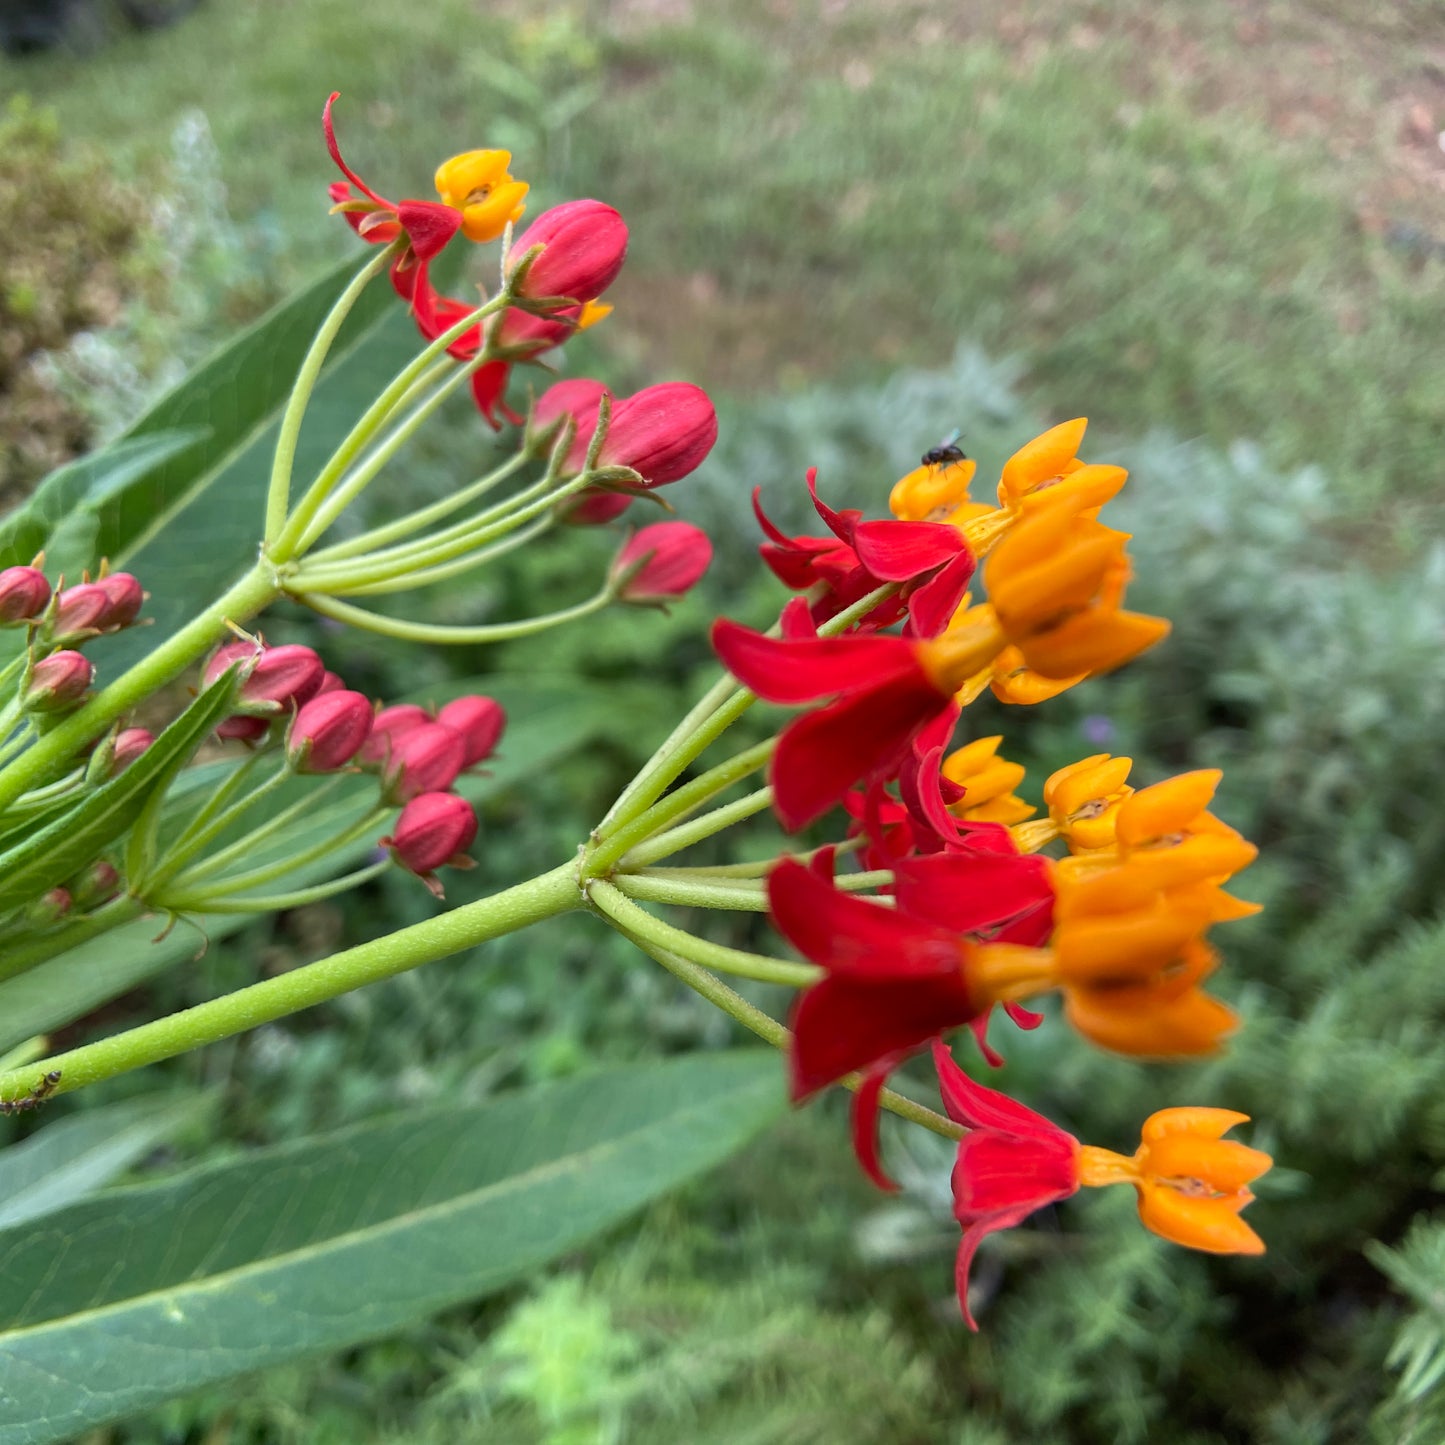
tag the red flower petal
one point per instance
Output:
(429, 225)
(972, 892)
(795, 671)
(902, 551)
(864, 1121)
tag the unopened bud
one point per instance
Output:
(97, 884)
(50, 907)
(23, 594)
(577, 398)
(660, 563)
(434, 829)
(663, 432)
(388, 728)
(330, 682)
(238, 729)
(328, 732)
(585, 244)
(480, 721)
(279, 677)
(130, 743)
(58, 682)
(106, 605)
(426, 759)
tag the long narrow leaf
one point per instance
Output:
(121, 1302)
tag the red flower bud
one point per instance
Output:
(388, 727)
(480, 721)
(593, 508)
(432, 829)
(585, 242)
(330, 682)
(78, 611)
(130, 743)
(579, 399)
(665, 560)
(23, 594)
(243, 729)
(424, 759)
(58, 682)
(125, 597)
(328, 732)
(279, 678)
(663, 432)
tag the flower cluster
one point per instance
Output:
(968, 912)
(286, 694)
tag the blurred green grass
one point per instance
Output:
(1186, 217)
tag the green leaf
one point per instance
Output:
(65, 846)
(72, 1157)
(546, 721)
(123, 1301)
(83, 486)
(191, 437)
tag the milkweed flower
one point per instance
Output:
(660, 563)
(480, 721)
(433, 831)
(937, 490)
(1191, 1182)
(23, 594)
(584, 244)
(988, 782)
(57, 683)
(479, 186)
(329, 731)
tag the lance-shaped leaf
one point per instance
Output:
(59, 850)
(128, 1299)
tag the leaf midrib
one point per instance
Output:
(429, 1213)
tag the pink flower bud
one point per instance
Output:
(243, 729)
(388, 727)
(97, 884)
(585, 242)
(58, 682)
(593, 508)
(328, 732)
(279, 678)
(23, 594)
(663, 433)
(579, 399)
(425, 759)
(125, 598)
(130, 743)
(480, 721)
(104, 606)
(330, 682)
(432, 830)
(78, 611)
(665, 561)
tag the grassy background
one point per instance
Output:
(1201, 221)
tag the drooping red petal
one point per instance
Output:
(863, 1117)
(972, 892)
(429, 225)
(489, 382)
(849, 935)
(796, 621)
(840, 524)
(902, 551)
(979, 1108)
(842, 1024)
(824, 753)
(329, 129)
(795, 671)
(932, 605)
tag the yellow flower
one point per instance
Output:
(477, 184)
(1084, 799)
(989, 781)
(1191, 1182)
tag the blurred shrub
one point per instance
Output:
(68, 233)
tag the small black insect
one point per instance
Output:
(945, 455)
(33, 1100)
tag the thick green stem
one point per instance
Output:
(701, 982)
(612, 901)
(445, 633)
(278, 497)
(288, 993)
(51, 754)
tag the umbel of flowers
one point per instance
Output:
(928, 899)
